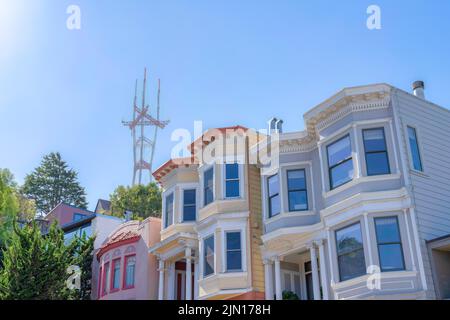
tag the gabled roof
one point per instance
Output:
(104, 204)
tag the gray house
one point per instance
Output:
(358, 205)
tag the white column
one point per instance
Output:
(369, 243)
(161, 280)
(278, 293)
(410, 245)
(323, 270)
(268, 279)
(357, 153)
(188, 274)
(315, 272)
(196, 277)
(171, 282)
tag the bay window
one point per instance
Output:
(350, 252)
(377, 160)
(130, 270)
(168, 214)
(390, 252)
(231, 180)
(297, 195)
(208, 186)
(189, 205)
(340, 162)
(105, 279)
(115, 279)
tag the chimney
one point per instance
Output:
(279, 126)
(418, 89)
(272, 125)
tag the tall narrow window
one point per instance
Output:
(273, 187)
(189, 206)
(100, 278)
(208, 186)
(231, 180)
(169, 211)
(105, 279)
(389, 244)
(297, 195)
(377, 160)
(414, 147)
(115, 280)
(340, 164)
(350, 252)
(234, 251)
(130, 268)
(208, 256)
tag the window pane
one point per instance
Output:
(309, 286)
(296, 179)
(377, 163)
(189, 197)
(274, 205)
(234, 260)
(339, 151)
(274, 187)
(297, 289)
(189, 213)
(349, 239)
(298, 201)
(209, 256)
(341, 174)
(116, 275)
(169, 210)
(414, 146)
(233, 240)
(131, 265)
(391, 257)
(374, 140)
(352, 265)
(232, 171)
(232, 188)
(387, 230)
(208, 186)
(308, 267)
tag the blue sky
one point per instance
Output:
(222, 62)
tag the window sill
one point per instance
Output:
(290, 214)
(128, 288)
(363, 278)
(362, 179)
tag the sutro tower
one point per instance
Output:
(143, 147)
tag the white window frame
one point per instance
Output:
(239, 179)
(183, 187)
(167, 193)
(202, 184)
(225, 251)
(202, 260)
(420, 147)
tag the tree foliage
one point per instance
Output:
(8, 209)
(36, 265)
(53, 182)
(143, 201)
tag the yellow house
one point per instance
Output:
(212, 225)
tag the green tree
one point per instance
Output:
(8, 210)
(143, 201)
(36, 266)
(53, 182)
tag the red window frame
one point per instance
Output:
(112, 274)
(106, 267)
(124, 285)
(100, 276)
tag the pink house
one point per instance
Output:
(126, 270)
(65, 214)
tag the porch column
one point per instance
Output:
(161, 280)
(268, 279)
(315, 272)
(171, 282)
(188, 274)
(196, 277)
(323, 270)
(278, 293)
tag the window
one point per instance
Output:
(99, 288)
(274, 195)
(414, 147)
(340, 164)
(350, 252)
(130, 267)
(115, 280)
(231, 180)
(105, 279)
(377, 161)
(208, 186)
(169, 211)
(189, 207)
(389, 244)
(309, 281)
(77, 217)
(208, 255)
(297, 195)
(234, 251)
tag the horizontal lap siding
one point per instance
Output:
(431, 192)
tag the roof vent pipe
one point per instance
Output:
(272, 125)
(419, 89)
(279, 126)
